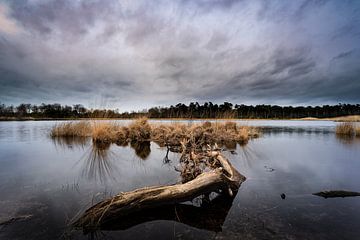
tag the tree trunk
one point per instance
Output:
(225, 179)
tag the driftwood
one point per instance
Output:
(15, 219)
(225, 179)
(337, 193)
(210, 215)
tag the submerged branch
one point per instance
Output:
(336, 194)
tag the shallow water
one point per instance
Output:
(51, 182)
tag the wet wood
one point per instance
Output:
(15, 219)
(336, 194)
(225, 179)
(210, 215)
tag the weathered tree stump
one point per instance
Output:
(225, 179)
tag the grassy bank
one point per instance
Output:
(352, 118)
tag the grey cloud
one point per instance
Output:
(138, 53)
(208, 5)
(217, 40)
(71, 18)
(343, 55)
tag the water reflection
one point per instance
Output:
(209, 215)
(347, 140)
(70, 142)
(142, 149)
(98, 163)
(296, 130)
(306, 160)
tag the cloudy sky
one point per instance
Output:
(136, 54)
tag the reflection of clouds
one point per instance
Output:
(310, 162)
(273, 130)
(247, 154)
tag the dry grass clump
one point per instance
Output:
(201, 134)
(357, 131)
(71, 129)
(105, 132)
(347, 129)
(173, 134)
(139, 130)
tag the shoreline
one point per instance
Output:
(350, 118)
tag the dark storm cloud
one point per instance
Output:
(139, 53)
(343, 55)
(68, 17)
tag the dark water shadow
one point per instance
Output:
(209, 215)
(98, 163)
(142, 149)
(347, 140)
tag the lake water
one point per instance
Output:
(48, 183)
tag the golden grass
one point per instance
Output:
(163, 134)
(104, 131)
(357, 131)
(200, 134)
(347, 129)
(71, 129)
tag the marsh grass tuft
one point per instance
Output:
(71, 129)
(346, 129)
(357, 131)
(169, 134)
(105, 132)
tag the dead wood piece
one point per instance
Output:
(336, 194)
(15, 219)
(210, 215)
(225, 178)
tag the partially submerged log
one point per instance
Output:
(336, 194)
(210, 215)
(225, 179)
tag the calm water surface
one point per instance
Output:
(48, 183)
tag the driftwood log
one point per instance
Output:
(337, 193)
(209, 215)
(225, 179)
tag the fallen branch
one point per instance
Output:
(15, 219)
(222, 179)
(337, 193)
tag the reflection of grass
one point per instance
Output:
(357, 131)
(98, 163)
(173, 133)
(70, 142)
(348, 133)
(142, 149)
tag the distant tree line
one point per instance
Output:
(180, 110)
